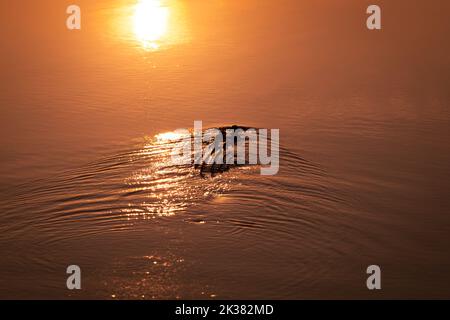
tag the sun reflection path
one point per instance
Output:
(150, 21)
(160, 188)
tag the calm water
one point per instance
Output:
(365, 162)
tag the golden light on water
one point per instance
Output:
(163, 188)
(170, 136)
(150, 22)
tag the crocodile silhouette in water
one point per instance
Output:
(216, 161)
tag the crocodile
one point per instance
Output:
(209, 166)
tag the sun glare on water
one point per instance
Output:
(150, 22)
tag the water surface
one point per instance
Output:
(363, 119)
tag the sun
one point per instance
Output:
(150, 22)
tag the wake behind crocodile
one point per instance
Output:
(143, 183)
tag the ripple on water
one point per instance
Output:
(115, 192)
